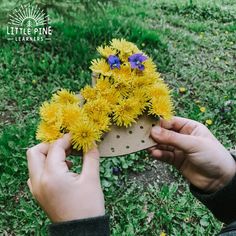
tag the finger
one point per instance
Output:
(183, 142)
(164, 156)
(90, 166)
(177, 123)
(30, 185)
(151, 148)
(56, 157)
(36, 157)
(165, 147)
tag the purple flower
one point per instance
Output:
(114, 62)
(136, 61)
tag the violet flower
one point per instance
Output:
(136, 61)
(114, 62)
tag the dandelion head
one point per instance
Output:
(84, 134)
(71, 113)
(162, 107)
(124, 47)
(182, 89)
(126, 112)
(98, 107)
(209, 122)
(102, 84)
(100, 66)
(202, 109)
(48, 132)
(89, 93)
(101, 122)
(64, 97)
(106, 51)
(157, 90)
(51, 112)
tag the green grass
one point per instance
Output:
(193, 46)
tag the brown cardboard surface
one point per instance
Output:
(121, 141)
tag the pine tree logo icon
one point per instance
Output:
(28, 16)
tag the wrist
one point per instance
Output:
(225, 177)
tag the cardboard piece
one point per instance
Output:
(122, 141)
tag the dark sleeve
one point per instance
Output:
(221, 203)
(229, 230)
(97, 226)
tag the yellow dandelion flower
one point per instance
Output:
(51, 113)
(209, 122)
(48, 132)
(71, 113)
(150, 69)
(163, 233)
(141, 98)
(64, 97)
(89, 93)
(122, 85)
(34, 81)
(161, 106)
(149, 64)
(182, 89)
(100, 66)
(142, 81)
(100, 121)
(106, 51)
(157, 90)
(124, 71)
(126, 112)
(102, 84)
(96, 107)
(202, 109)
(124, 47)
(111, 95)
(83, 135)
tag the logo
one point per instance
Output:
(28, 23)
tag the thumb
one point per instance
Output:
(91, 163)
(168, 137)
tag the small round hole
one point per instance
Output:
(130, 132)
(117, 136)
(153, 125)
(102, 139)
(127, 147)
(143, 141)
(141, 127)
(112, 149)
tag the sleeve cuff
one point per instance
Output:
(221, 203)
(96, 226)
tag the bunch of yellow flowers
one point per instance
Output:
(127, 86)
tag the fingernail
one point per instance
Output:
(156, 130)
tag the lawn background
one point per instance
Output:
(193, 44)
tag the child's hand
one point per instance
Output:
(191, 148)
(64, 195)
